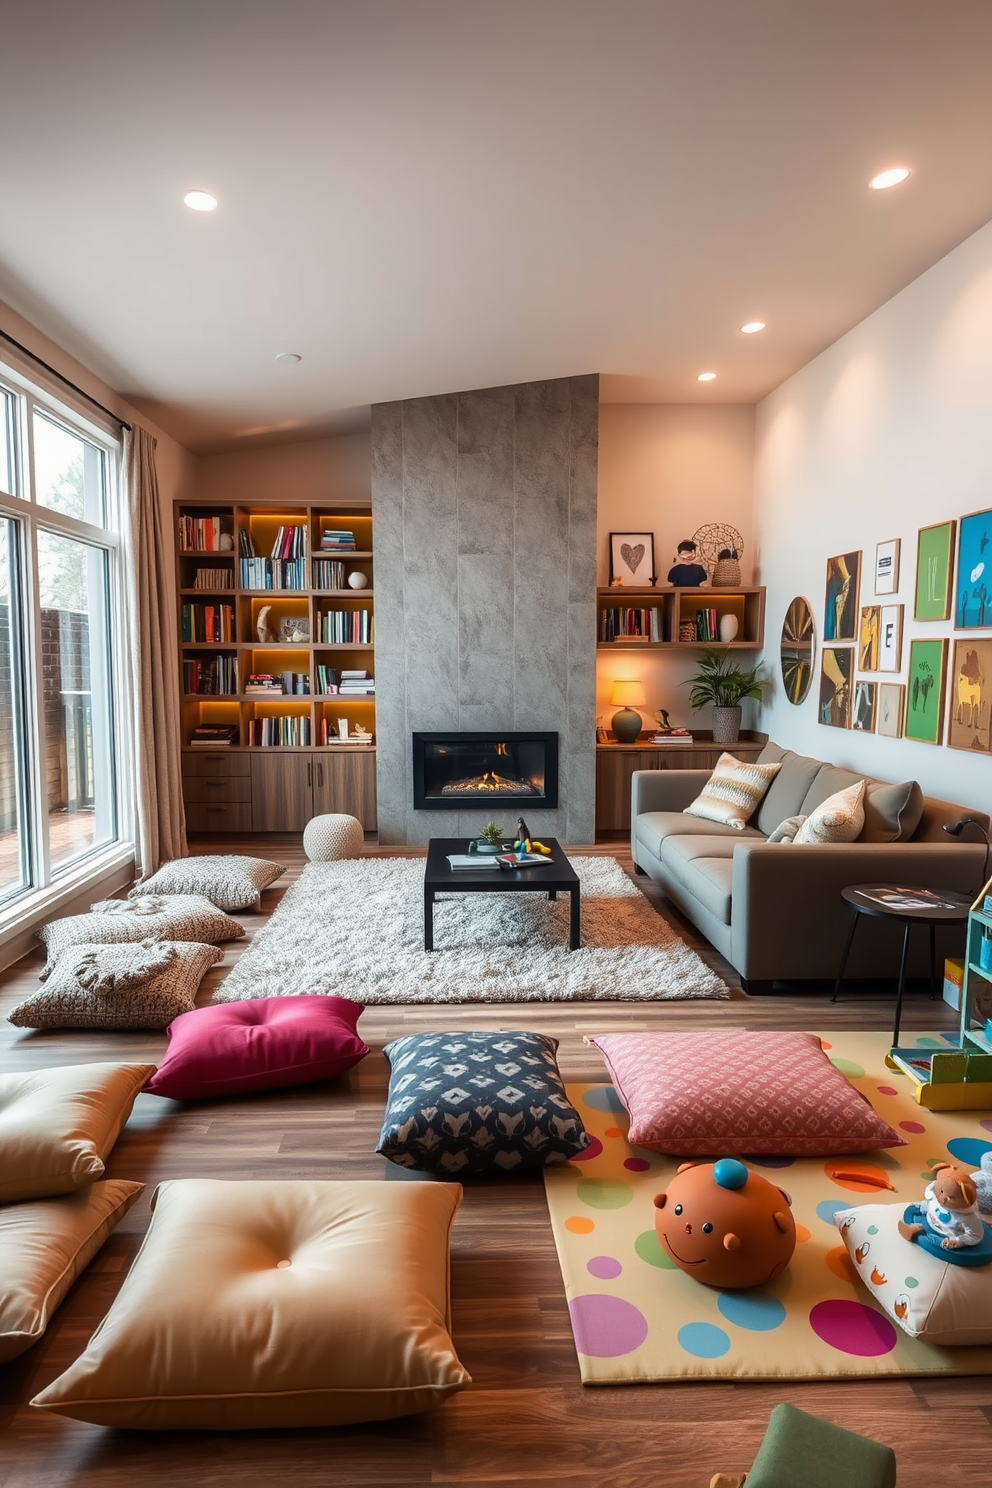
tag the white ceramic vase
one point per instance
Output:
(357, 580)
(728, 627)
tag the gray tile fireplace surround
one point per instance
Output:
(484, 512)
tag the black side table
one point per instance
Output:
(910, 906)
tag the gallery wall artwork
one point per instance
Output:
(632, 558)
(890, 705)
(890, 638)
(973, 609)
(925, 690)
(868, 639)
(970, 701)
(863, 709)
(934, 553)
(887, 567)
(840, 607)
(836, 668)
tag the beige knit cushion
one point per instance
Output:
(839, 819)
(58, 1125)
(332, 836)
(135, 985)
(733, 792)
(227, 880)
(44, 1245)
(157, 916)
(265, 1304)
(786, 831)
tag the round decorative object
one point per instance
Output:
(729, 626)
(627, 725)
(327, 838)
(725, 1226)
(713, 541)
(357, 580)
(798, 644)
(726, 725)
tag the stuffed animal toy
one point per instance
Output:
(950, 1214)
(725, 1226)
(983, 1184)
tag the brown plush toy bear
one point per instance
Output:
(725, 1226)
(950, 1213)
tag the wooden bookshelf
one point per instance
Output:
(678, 607)
(273, 787)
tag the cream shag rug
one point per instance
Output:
(356, 929)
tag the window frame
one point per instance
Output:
(31, 517)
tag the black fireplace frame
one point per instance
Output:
(549, 801)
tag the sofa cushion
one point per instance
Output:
(44, 1245)
(828, 781)
(839, 819)
(785, 796)
(733, 792)
(892, 812)
(731, 1093)
(786, 830)
(58, 1125)
(260, 1304)
(677, 852)
(652, 828)
(710, 881)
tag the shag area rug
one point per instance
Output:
(356, 929)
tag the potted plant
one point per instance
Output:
(490, 839)
(724, 684)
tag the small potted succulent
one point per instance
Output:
(724, 684)
(490, 839)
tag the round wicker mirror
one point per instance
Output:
(798, 645)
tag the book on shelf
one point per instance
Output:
(214, 735)
(345, 627)
(328, 680)
(215, 676)
(357, 689)
(207, 622)
(470, 862)
(676, 736)
(630, 624)
(213, 578)
(205, 535)
(328, 573)
(334, 539)
(280, 731)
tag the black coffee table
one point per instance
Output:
(910, 906)
(555, 877)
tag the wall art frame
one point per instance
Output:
(842, 597)
(863, 707)
(632, 559)
(887, 566)
(973, 603)
(924, 721)
(934, 559)
(868, 634)
(969, 700)
(836, 675)
(890, 638)
(890, 708)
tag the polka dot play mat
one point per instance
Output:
(637, 1318)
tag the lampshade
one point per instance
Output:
(628, 694)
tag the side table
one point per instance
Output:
(911, 907)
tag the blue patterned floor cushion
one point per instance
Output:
(462, 1103)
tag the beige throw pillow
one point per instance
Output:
(262, 1304)
(58, 1125)
(733, 792)
(135, 985)
(839, 819)
(44, 1246)
(786, 831)
(230, 881)
(155, 916)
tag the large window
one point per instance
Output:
(60, 727)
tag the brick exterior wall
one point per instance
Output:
(65, 654)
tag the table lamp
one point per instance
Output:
(627, 724)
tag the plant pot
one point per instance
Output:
(726, 725)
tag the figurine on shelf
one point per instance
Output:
(687, 573)
(262, 627)
(664, 722)
(949, 1218)
(361, 733)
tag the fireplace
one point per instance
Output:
(454, 770)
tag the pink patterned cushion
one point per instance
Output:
(732, 1094)
(264, 1044)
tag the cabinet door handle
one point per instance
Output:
(320, 774)
(309, 772)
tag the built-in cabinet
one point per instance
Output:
(263, 591)
(616, 763)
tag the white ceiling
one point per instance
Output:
(427, 195)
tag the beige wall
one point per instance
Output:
(313, 470)
(668, 469)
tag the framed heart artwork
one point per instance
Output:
(632, 558)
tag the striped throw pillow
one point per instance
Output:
(733, 792)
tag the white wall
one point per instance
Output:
(668, 469)
(888, 430)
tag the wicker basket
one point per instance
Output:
(727, 574)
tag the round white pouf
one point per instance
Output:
(326, 838)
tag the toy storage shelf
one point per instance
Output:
(976, 990)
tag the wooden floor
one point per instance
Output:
(526, 1419)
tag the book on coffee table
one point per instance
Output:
(522, 860)
(470, 861)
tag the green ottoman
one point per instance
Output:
(802, 1449)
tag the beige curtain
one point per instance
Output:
(160, 820)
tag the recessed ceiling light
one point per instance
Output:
(706, 377)
(288, 358)
(752, 326)
(888, 178)
(200, 201)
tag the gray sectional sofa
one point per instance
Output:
(774, 910)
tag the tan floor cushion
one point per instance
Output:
(44, 1245)
(58, 1125)
(266, 1304)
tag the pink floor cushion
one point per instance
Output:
(737, 1094)
(263, 1044)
